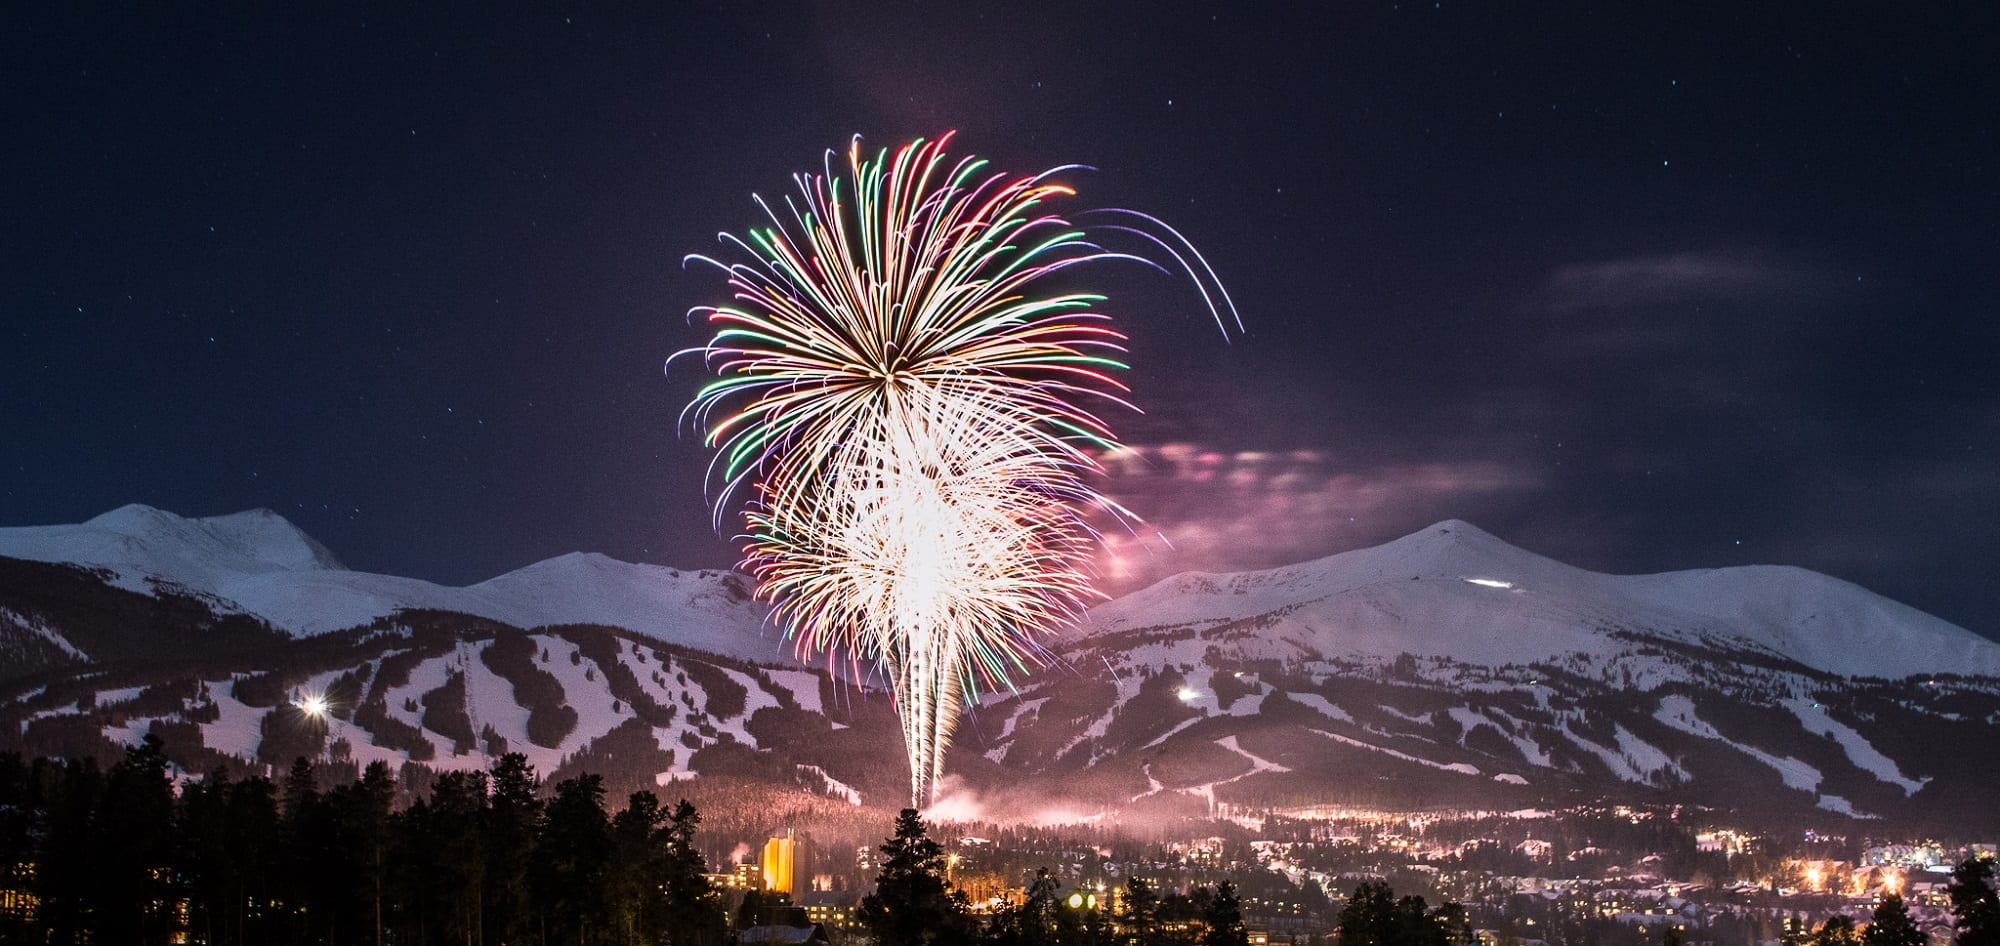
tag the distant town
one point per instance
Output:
(133, 854)
(1616, 876)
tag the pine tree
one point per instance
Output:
(1375, 916)
(455, 852)
(208, 861)
(256, 838)
(512, 813)
(912, 904)
(1838, 930)
(1452, 927)
(1224, 919)
(575, 844)
(134, 848)
(1974, 903)
(1369, 918)
(635, 876)
(1031, 922)
(1141, 915)
(693, 915)
(1414, 924)
(1891, 925)
(362, 842)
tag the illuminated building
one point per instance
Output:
(779, 859)
(740, 877)
(18, 902)
(831, 910)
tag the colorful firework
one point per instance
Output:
(910, 425)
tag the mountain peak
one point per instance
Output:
(142, 542)
(1443, 526)
(1453, 590)
(131, 516)
(277, 539)
(1456, 533)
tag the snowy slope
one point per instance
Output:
(1454, 591)
(1414, 595)
(1446, 668)
(259, 563)
(139, 542)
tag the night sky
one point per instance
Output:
(1639, 287)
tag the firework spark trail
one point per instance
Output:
(910, 424)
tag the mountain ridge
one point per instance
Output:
(1495, 576)
(258, 563)
(1444, 668)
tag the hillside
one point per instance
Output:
(1444, 669)
(258, 564)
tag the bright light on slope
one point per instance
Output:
(1189, 694)
(1491, 582)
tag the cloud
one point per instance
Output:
(1678, 278)
(1212, 510)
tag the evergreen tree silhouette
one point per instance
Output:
(1224, 919)
(912, 904)
(1974, 903)
(693, 911)
(513, 812)
(1891, 925)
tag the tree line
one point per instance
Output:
(94, 855)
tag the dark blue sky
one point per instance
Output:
(1661, 287)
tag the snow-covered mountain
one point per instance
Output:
(139, 542)
(1454, 591)
(1444, 668)
(258, 563)
(1457, 667)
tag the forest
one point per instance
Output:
(116, 855)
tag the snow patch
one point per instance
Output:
(803, 685)
(1859, 751)
(1183, 724)
(1463, 768)
(44, 631)
(834, 785)
(1678, 711)
(1468, 718)
(1322, 705)
(1842, 806)
(1257, 764)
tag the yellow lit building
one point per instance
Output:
(739, 877)
(18, 902)
(780, 864)
(836, 915)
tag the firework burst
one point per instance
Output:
(909, 421)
